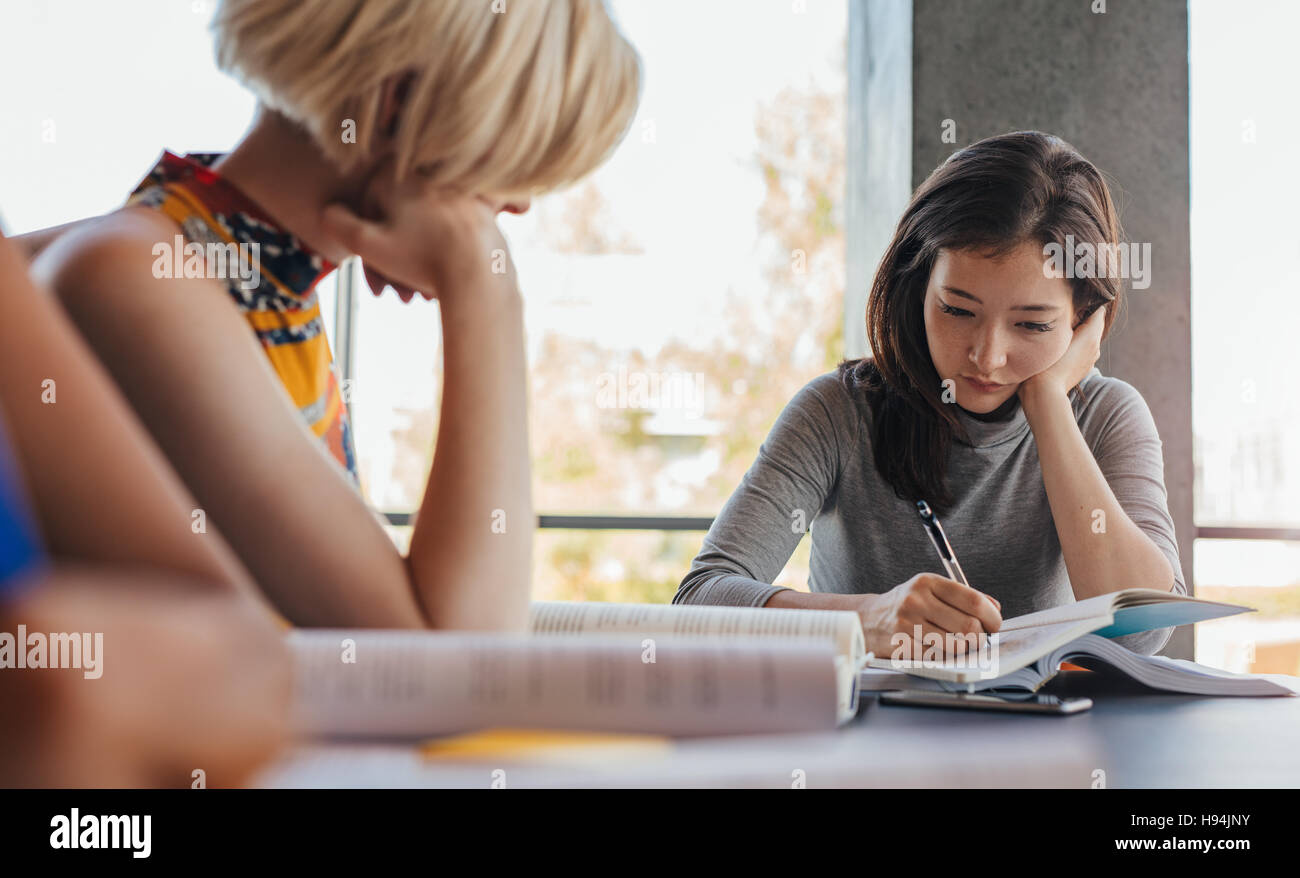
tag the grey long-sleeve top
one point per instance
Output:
(815, 471)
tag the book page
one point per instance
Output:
(1129, 611)
(1099, 608)
(1174, 675)
(843, 628)
(399, 683)
(1005, 653)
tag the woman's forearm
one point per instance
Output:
(471, 551)
(1104, 550)
(802, 600)
(33, 243)
(102, 489)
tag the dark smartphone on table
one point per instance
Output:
(1017, 703)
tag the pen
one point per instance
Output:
(944, 548)
(941, 544)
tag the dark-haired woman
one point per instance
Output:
(982, 399)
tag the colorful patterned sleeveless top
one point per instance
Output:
(282, 309)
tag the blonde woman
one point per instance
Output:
(397, 131)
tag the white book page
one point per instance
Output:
(1103, 607)
(1100, 608)
(1004, 654)
(413, 684)
(1179, 675)
(842, 628)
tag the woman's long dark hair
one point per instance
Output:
(988, 198)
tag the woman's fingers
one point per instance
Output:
(374, 279)
(969, 602)
(359, 235)
(374, 243)
(378, 283)
(953, 625)
(954, 608)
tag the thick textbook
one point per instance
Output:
(842, 628)
(658, 669)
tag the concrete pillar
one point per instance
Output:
(1112, 83)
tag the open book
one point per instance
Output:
(1157, 671)
(658, 669)
(1028, 650)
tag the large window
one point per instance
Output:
(675, 300)
(678, 298)
(1245, 278)
(93, 92)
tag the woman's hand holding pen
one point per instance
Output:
(933, 604)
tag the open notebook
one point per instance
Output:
(656, 669)
(1028, 650)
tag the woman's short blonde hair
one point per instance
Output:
(502, 96)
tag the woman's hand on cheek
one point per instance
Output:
(1077, 361)
(378, 282)
(422, 241)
